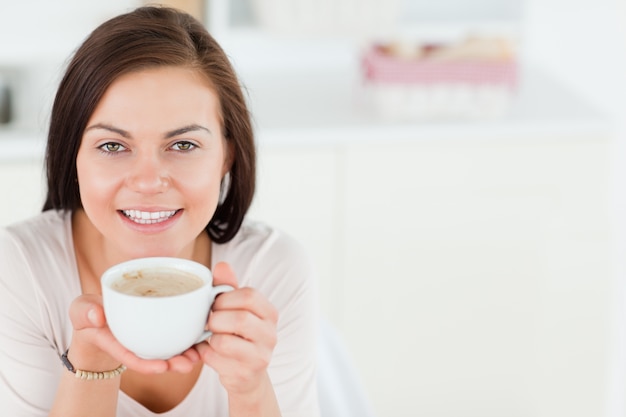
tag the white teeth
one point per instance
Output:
(148, 217)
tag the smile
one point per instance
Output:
(148, 217)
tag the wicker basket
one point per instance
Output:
(410, 88)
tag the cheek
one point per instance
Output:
(94, 184)
(202, 175)
(201, 194)
(203, 190)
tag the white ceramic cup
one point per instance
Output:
(159, 327)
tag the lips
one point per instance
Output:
(148, 217)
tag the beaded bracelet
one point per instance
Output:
(88, 375)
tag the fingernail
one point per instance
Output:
(92, 316)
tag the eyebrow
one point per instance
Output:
(186, 129)
(168, 135)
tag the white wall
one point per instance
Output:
(583, 43)
(28, 23)
(37, 37)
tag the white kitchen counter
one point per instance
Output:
(295, 109)
(325, 108)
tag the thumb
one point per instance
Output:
(86, 311)
(223, 274)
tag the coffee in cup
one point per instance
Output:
(158, 307)
(157, 282)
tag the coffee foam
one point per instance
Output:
(157, 282)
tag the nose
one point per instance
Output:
(148, 175)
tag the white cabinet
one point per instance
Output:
(298, 192)
(468, 277)
(478, 272)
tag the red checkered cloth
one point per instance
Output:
(379, 66)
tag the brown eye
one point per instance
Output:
(183, 146)
(112, 147)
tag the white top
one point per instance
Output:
(39, 280)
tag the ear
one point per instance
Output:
(229, 156)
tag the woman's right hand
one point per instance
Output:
(94, 348)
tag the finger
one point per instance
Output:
(243, 324)
(225, 348)
(86, 311)
(247, 299)
(105, 340)
(89, 322)
(208, 355)
(223, 274)
(192, 354)
(202, 347)
(227, 368)
(180, 363)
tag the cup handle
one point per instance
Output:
(217, 290)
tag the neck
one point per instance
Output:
(94, 254)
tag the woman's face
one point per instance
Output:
(151, 160)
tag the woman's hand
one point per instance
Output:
(94, 348)
(243, 323)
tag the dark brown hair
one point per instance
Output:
(144, 38)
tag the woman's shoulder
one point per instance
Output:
(256, 236)
(37, 263)
(259, 249)
(36, 283)
(40, 231)
(37, 239)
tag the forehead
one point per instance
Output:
(159, 79)
(159, 94)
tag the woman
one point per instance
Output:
(150, 153)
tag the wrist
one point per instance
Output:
(89, 357)
(260, 401)
(85, 374)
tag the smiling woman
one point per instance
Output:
(153, 145)
(92, 72)
(150, 153)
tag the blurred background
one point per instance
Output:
(455, 168)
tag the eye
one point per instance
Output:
(183, 146)
(112, 147)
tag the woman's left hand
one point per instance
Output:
(243, 323)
